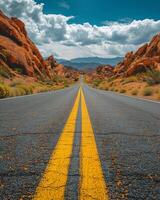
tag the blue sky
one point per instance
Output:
(87, 28)
(97, 11)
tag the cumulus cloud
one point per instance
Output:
(54, 34)
(41, 27)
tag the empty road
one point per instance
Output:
(79, 143)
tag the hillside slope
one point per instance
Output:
(21, 61)
(138, 73)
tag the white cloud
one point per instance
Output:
(53, 34)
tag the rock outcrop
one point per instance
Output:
(20, 56)
(18, 51)
(146, 57)
(51, 62)
(101, 72)
(61, 70)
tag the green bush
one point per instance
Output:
(4, 72)
(152, 77)
(96, 82)
(148, 91)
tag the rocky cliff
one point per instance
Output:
(17, 51)
(20, 56)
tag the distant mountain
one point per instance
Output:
(89, 62)
(110, 61)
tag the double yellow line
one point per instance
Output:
(91, 184)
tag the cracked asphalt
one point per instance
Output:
(127, 134)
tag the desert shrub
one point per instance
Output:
(19, 70)
(116, 90)
(66, 85)
(27, 89)
(4, 72)
(58, 79)
(122, 91)
(16, 82)
(106, 88)
(112, 89)
(96, 82)
(148, 91)
(152, 77)
(4, 91)
(20, 91)
(110, 79)
(129, 80)
(13, 92)
(134, 92)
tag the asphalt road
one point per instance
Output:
(127, 134)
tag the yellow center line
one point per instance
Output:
(92, 183)
(53, 182)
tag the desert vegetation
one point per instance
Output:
(19, 87)
(145, 84)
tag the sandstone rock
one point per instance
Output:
(50, 61)
(20, 52)
(146, 57)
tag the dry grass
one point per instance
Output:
(19, 87)
(4, 90)
(135, 85)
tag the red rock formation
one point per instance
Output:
(50, 61)
(105, 71)
(101, 72)
(146, 57)
(19, 54)
(60, 70)
(18, 50)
